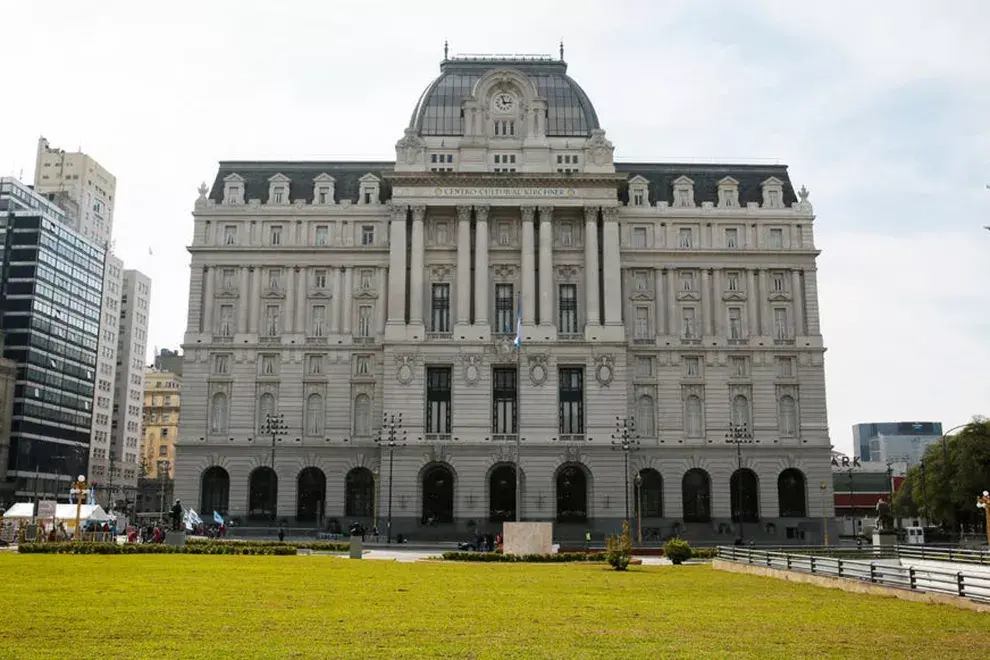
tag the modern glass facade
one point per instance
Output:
(50, 296)
(863, 434)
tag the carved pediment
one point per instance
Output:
(324, 178)
(779, 296)
(233, 177)
(227, 293)
(728, 181)
(683, 181)
(641, 295)
(639, 180)
(734, 295)
(369, 178)
(366, 294)
(273, 293)
(279, 178)
(320, 293)
(689, 295)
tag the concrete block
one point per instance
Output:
(527, 538)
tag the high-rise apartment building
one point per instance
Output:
(106, 366)
(51, 285)
(79, 185)
(8, 374)
(128, 394)
(162, 400)
(894, 442)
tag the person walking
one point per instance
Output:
(281, 534)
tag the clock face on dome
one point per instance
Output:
(503, 102)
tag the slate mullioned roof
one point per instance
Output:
(348, 173)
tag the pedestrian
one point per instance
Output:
(587, 539)
(281, 534)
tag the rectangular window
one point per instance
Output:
(322, 236)
(780, 327)
(642, 323)
(641, 281)
(785, 367)
(221, 364)
(692, 366)
(268, 365)
(687, 281)
(440, 308)
(504, 233)
(367, 235)
(275, 279)
(365, 279)
(644, 367)
(737, 367)
(324, 195)
(735, 323)
(441, 234)
(687, 323)
(639, 237)
(776, 239)
(271, 320)
(684, 238)
(228, 279)
(505, 313)
(566, 234)
(504, 400)
(364, 321)
(568, 321)
(732, 237)
(320, 278)
(438, 413)
(638, 198)
(279, 195)
(571, 407)
(362, 365)
(226, 322)
(314, 365)
(319, 320)
(778, 283)
(230, 235)
(275, 235)
(732, 281)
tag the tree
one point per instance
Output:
(618, 548)
(952, 477)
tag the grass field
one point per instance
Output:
(165, 606)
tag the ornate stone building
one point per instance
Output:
(679, 301)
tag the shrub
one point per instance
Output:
(92, 548)
(560, 557)
(316, 546)
(703, 553)
(677, 550)
(618, 548)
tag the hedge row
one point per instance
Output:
(317, 546)
(533, 559)
(90, 548)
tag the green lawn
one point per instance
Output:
(164, 606)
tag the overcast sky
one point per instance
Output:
(880, 108)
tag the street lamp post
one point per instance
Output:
(638, 481)
(738, 435)
(79, 491)
(984, 503)
(823, 487)
(625, 439)
(391, 435)
(275, 426)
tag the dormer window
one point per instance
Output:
(233, 189)
(683, 192)
(369, 190)
(773, 193)
(639, 192)
(323, 189)
(728, 193)
(278, 189)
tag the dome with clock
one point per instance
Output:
(441, 112)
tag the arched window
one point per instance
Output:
(696, 488)
(438, 496)
(740, 411)
(314, 414)
(792, 494)
(262, 494)
(266, 407)
(692, 421)
(311, 495)
(787, 415)
(650, 493)
(362, 415)
(359, 493)
(572, 494)
(502, 493)
(218, 413)
(214, 491)
(744, 495)
(645, 416)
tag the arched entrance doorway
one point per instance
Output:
(650, 493)
(792, 493)
(744, 495)
(438, 495)
(572, 494)
(502, 493)
(696, 489)
(262, 494)
(214, 491)
(359, 493)
(311, 494)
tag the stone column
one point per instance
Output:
(766, 322)
(397, 266)
(243, 298)
(290, 308)
(546, 265)
(255, 299)
(348, 292)
(659, 298)
(416, 267)
(811, 301)
(463, 265)
(528, 266)
(209, 298)
(798, 303)
(753, 295)
(481, 277)
(612, 267)
(719, 306)
(302, 299)
(706, 302)
(673, 319)
(592, 316)
(381, 275)
(338, 299)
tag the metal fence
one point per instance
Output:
(972, 583)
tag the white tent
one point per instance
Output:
(93, 512)
(20, 510)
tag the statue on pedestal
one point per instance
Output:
(885, 520)
(177, 516)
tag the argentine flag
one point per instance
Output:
(217, 518)
(518, 341)
(194, 517)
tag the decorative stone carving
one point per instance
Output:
(481, 212)
(538, 369)
(397, 212)
(605, 369)
(728, 193)
(409, 147)
(440, 273)
(502, 454)
(504, 272)
(472, 368)
(571, 454)
(418, 212)
(692, 390)
(404, 373)
(438, 454)
(568, 274)
(504, 348)
(598, 148)
(528, 213)
(610, 213)
(464, 213)
(683, 192)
